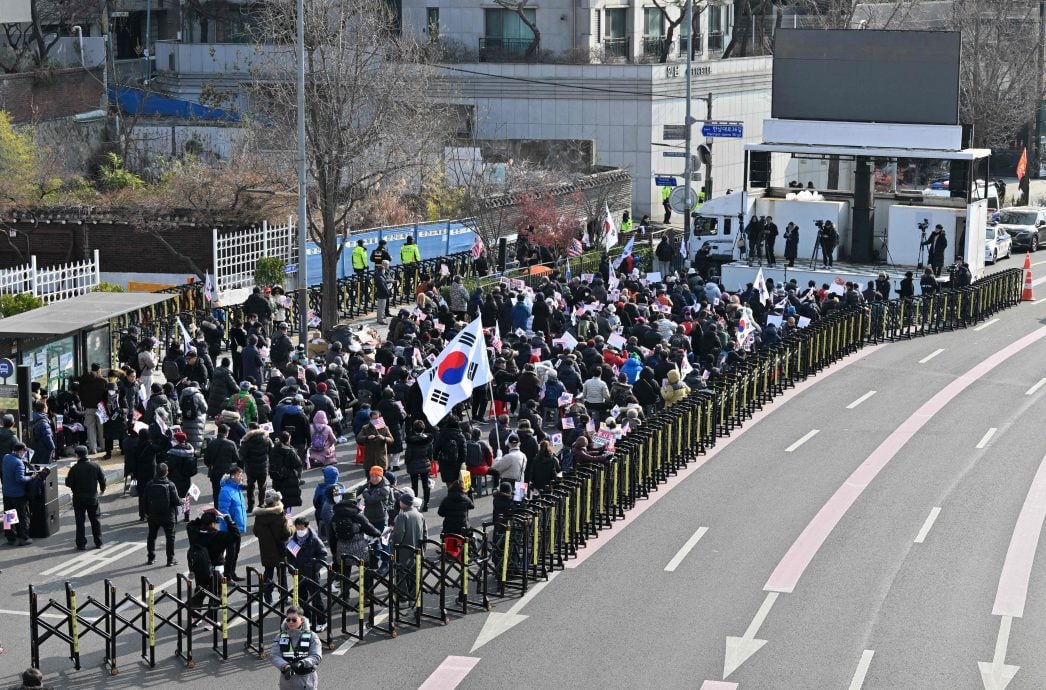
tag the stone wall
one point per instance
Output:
(51, 94)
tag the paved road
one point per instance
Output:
(875, 553)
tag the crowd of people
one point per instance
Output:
(578, 362)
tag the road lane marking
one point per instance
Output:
(1039, 301)
(862, 669)
(346, 646)
(450, 673)
(987, 437)
(801, 441)
(692, 467)
(1038, 263)
(930, 519)
(26, 613)
(930, 356)
(718, 685)
(986, 324)
(687, 547)
(1036, 387)
(860, 400)
(1020, 556)
(498, 622)
(87, 562)
(802, 551)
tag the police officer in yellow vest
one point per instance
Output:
(626, 223)
(409, 254)
(296, 652)
(359, 258)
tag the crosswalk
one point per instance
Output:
(87, 562)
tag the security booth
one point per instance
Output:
(57, 343)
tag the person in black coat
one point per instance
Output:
(454, 509)
(143, 467)
(219, 457)
(311, 555)
(418, 459)
(791, 237)
(450, 450)
(394, 420)
(285, 470)
(221, 547)
(540, 473)
(181, 460)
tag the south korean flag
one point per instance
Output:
(460, 368)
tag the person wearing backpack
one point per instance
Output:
(193, 409)
(322, 442)
(181, 462)
(254, 457)
(223, 386)
(478, 456)
(349, 532)
(450, 449)
(285, 471)
(161, 501)
(243, 403)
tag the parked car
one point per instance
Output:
(1025, 225)
(997, 244)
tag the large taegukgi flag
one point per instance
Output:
(460, 368)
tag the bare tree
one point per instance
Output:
(1000, 74)
(28, 46)
(368, 124)
(847, 14)
(520, 7)
(672, 20)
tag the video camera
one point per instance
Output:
(819, 224)
(924, 224)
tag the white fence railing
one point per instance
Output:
(53, 283)
(236, 254)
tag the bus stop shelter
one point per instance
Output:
(58, 342)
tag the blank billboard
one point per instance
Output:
(867, 76)
(14, 12)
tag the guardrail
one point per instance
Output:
(462, 573)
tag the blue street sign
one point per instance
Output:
(7, 368)
(728, 130)
(665, 181)
(291, 268)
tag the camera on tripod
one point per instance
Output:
(819, 224)
(924, 224)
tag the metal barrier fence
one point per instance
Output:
(446, 578)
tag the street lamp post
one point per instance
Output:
(303, 271)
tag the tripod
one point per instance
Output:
(885, 258)
(922, 246)
(813, 252)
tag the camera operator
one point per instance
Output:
(960, 274)
(936, 243)
(296, 652)
(828, 238)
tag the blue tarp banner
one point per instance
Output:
(139, 102)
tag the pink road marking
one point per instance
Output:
(718, 685)
(450, 673)
(787, 573)
(642, 506)
(1016, 569)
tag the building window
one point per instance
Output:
(506, 32)
(432, 23)
(653, 30)
(615, 32)
(715, 28)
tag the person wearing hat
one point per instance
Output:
(86, 480)
(409, 528)
(208, 554)
(160, 502)
(273, 530)
(297, 651)
(936, 243)
(281, 347)
(181, 460)
(510, 466)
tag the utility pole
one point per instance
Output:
(303, 271)
(689, 120)
(708, 162)
(146, 72)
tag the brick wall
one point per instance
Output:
(120, 248)
(58, 93)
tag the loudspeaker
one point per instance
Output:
(44, 518)
(759, 169)
(49, 485)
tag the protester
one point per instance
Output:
(86, 481)
(273, 529)
(160, 498)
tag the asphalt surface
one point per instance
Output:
(872, 608)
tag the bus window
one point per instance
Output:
(726, 225)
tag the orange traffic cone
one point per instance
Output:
(1028, 296)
